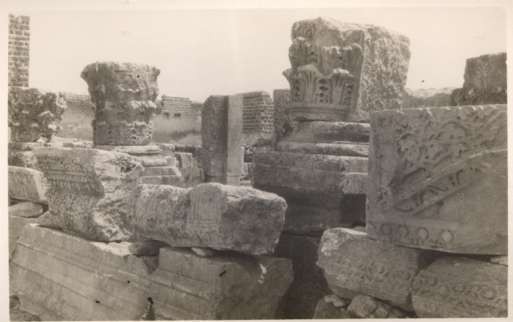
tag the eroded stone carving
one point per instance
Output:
(34, 115)
(90, 191)
(124, 95)
(435, 172)
(341, 71)
(461, 287)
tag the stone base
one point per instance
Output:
(61, 277)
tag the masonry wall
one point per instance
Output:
(18, 52)
(258, 117)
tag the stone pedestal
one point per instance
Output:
(124, 95)
(439, 179)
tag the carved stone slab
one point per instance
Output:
(354, 264)
(211, 215)
(343, 71)
(461, 287)
(90, 191)
(434, 173)
(27, 184)
(124, 95)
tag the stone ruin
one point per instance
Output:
(359, 209)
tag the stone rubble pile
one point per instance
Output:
(359, 209)
(118, 241)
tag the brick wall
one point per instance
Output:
(19, 46)
(257, 116)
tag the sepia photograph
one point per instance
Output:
(173, 160)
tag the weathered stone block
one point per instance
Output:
(343, 71)
(27, 184)
(434, 173)
(62, 277)
(211, 215)
(220, 287)
(124, 95)
(16, 225)
(90, 191)
(354, 264)
(461, 287)
(485, 81)
(309, 284)
(26, 209)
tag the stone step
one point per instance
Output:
(322, 131)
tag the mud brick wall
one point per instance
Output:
(257, 117)
(19, 50)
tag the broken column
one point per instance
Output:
(221, 139)
(124, 96)
(435, 173)
(339, 74)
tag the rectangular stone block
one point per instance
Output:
(16, 225)
(221, 133)
(212, 215)
(434, 172)
(62, 277)
(26, 209)
(27, 184)
(58, 276)
(309, 284)
(90, 191)
(461, 287)
(354, 264)
(219, 287)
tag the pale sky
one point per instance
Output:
(206, 52)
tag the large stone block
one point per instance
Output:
(220, 287)
(211, 215)
(309, 284)
(63, 277)
(485, 81)
(343, 71)
(354, 264)
(27, 184)
(124, 95)
(16, 225)
(461, 287)
(90, 191)
(434, 172)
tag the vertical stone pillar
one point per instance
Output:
(124, 95)
(19, 55)
(221, 134)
